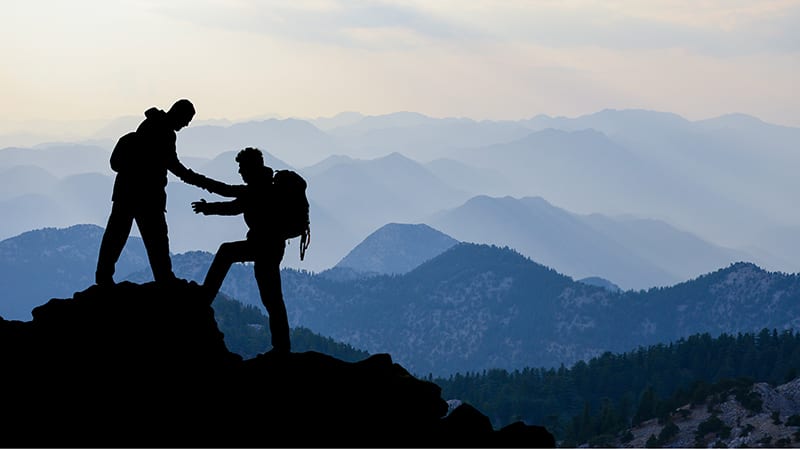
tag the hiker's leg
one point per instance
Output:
(116, 234)
(267, 270)
(228, 253)
(152, 225)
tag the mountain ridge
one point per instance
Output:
(633, 253)
(396, 248)
(477, 307)
(474, 306)
(705, 177)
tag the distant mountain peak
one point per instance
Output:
(739, 265)
(404, 114)
(396, 248)
(508, 201)
(476, 258)
(395, 156)
(634, 113)
(740, 271)
(601, 282)
(734, 119)
(738, 268)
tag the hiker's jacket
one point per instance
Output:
(256, 201)
(143, 179)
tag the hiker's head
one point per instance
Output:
(181, 113)
(251, 165)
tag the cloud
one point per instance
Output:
(483, 58)
(713, 28)
(353, 23)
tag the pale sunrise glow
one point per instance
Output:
(95, 60)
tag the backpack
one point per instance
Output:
(123, 149)
(292, 202)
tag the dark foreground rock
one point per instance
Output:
(146, 366)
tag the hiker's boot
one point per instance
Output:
(104, 280)
(278, 353)
(169, 280)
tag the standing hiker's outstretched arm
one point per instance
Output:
(216, 187)
(211, 185)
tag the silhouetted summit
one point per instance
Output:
(396, 248)
(145, 365)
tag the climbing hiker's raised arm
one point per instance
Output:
(231, 208)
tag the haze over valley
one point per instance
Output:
(641, 198)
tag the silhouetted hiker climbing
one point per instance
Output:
(141, 160)
(257, 201)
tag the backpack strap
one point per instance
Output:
(305, 240)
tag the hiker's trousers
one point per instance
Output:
(152, 224)
(266, 258)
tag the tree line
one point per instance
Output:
(593, 400)
(612, 392)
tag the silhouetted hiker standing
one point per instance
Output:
(264, 244)
(140, 191)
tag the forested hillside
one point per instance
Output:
(612, 392)
(245, 333)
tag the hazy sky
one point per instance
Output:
(484, 59)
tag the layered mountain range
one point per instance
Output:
(658, 199)
(469, 307)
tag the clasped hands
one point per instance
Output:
(201, 181)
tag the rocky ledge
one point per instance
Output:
(146, 366)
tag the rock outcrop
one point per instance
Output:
(146, 366)
(770, 418)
